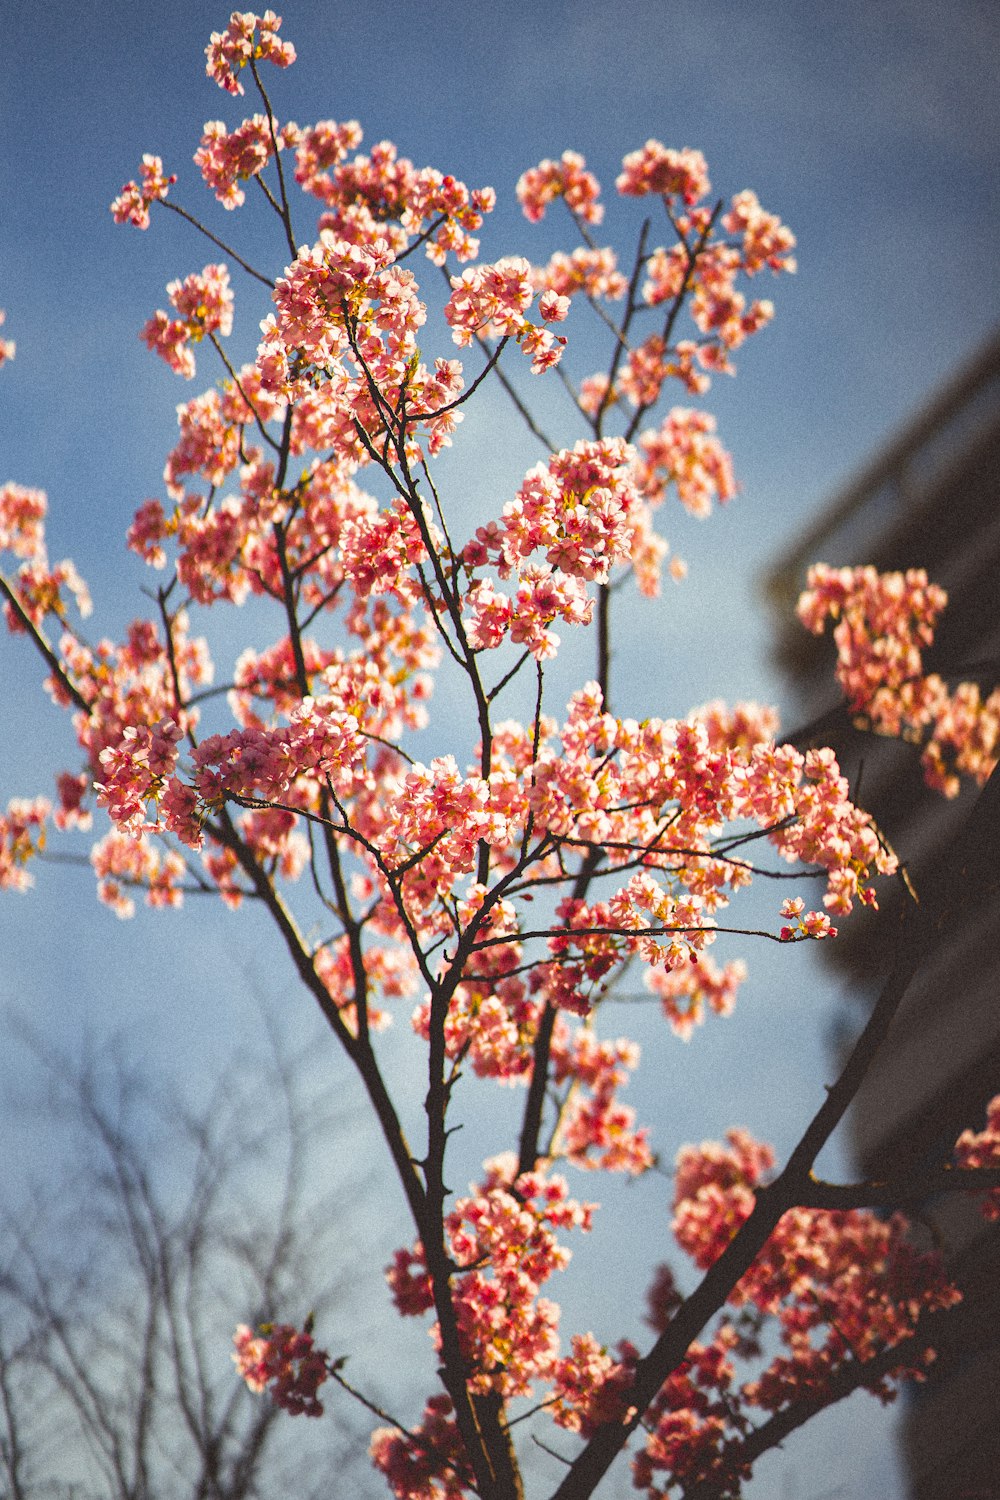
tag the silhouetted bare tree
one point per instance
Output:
(122, 1283)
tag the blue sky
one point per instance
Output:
(871, 130)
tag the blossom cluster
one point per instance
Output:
(596, 1132)
(247, 39)
(694, 1422)
(125, 862)
(603, 782)
(136, 770)
(227, 157)
(22, 521)
(702, 265)
(684, 452)
(566, 178)
(132, 204)
(343, 343)
(840, 1287)
(22, 836)
(505, 1235)
(982, 1149)
(320, 147)
(592, 273)
(766, 241)
(129, 735)
(686, 992)
(40, 587)
(382, 195)
(620, 785)
(428, 1463)
(711, 252)
(849, 1273)
(812, 924)
(884, 623)
(264, 765)
(491, 301)
(670, 174)
(283, 1360)
(580, 510)
(577, 508)
(205, 306)
(590, 1386)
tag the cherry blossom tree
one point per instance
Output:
(493, 898)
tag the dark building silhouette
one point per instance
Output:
(931, 499)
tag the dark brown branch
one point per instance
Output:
(675, 308)
(51, 659)
(621, 342)
(283, 210)
(175, 208)
(491, 364)
(897, 1192)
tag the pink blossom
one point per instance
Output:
(685, 452)
(591, 1387)
(983, 1150)
(205, 305)
(643, 372)
(70, 812)
(169, 338)
(713, 1193)
(553, 307)
(738, 726)
(125, 862)
(766, 241)
(320, 147)
(147, 532)
(807, 924)
(430, 1465)
(204, 302)
(225, 158)
(22, 521)
(578, 508)
(648, 553)
(884, 623)
(490, 299)
(323, 736)
(132, 204)
(594, 393)
(847, 1271)
(655, 169)
(566, 178)
(247, 38)
(136, 771)
(382, 196)
(592, 272)
(281, 1359)
(543, 596)
(40, 592)
(596, 1131)
(22, 837)
(685, 992)
(667, 272)
(491, 614)
(506, 1234)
